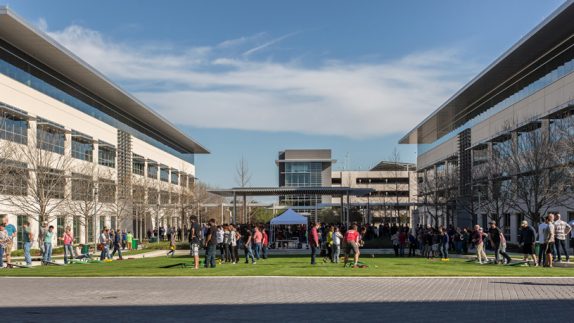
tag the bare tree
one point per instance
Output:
(429, 195)
(243, 178)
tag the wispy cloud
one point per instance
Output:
(221, 86)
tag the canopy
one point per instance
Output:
(289, 217)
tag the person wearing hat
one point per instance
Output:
(526, 239)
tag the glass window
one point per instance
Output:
(152, 170)
(174, 177)
(152, 196)
(102, 222)
(51, 182)
(106, 190)
(50, 137)
(107, 156)
(82, 187)
(20, 219)
(164, 197)
(138, 194)
(82, 146)
(90, 226)
(164, 174)
(76, 228)
(13, 127)
(138, 165)
(14, 180)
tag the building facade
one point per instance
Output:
(525, 93)
(304, 168)
(394, 199)
(79, 151)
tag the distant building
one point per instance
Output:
(395, 186)
(304, 168)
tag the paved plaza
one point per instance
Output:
(289, 299)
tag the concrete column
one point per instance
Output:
(513, 228)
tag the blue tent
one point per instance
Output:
(289, 217)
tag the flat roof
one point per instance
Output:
(531, 48)
(276, 191)
(43, 48)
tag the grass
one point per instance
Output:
(381, 266)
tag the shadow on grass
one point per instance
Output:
(427, 311)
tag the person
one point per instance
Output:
(124, 239)
(498, 243)
(562, 230)
(68, 239)
(526, 239)
(220, 236)
(3, 241)
(234, 236)
(11, 232)
(396, 243)
(129, 240)
(211, 244)
(27, 239)
(412, 243)
(314, 242)
(171, 251)
(352, 243)
(549, 239)
(443, 244)
(465, 237)
(264, 243)
(226, 244)
(104, 242)
(329, 243)
(337, 236)
(193, 238)
(477, 239)
(117, 243)
(257, 240)
(402, 242)
(247, 243)
(80, 255)
(48, 237)
(541, 238)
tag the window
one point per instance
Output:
(106, 190)
(152, 170)
(114, 222)
(102, 222)
(152, 196)
(82, 146)
(14, 125)
(106, 155)
(174, 177)
(50, 136)
(164, 174)
(76, 227)
(82, 187)
(138, 194)
(138, 165)
(90, 227)
(336, 181)
(183, 180)
(164, 197)
(60, 223)
(14, 181)
(51, 182)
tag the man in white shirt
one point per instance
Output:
(562, 230)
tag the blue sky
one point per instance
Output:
(251, 78)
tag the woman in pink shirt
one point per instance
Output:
(257, 239)
(68, 239)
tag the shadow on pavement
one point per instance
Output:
(445, 311)
(532, 284)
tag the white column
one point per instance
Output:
(513, 228)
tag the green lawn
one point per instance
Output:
(382, 266)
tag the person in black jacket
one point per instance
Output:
(527, 238)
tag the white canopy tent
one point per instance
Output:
(288, 217)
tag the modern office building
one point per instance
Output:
(394, 199)
(68, 133)
(529, 88)
(304, 168)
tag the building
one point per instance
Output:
(304, 168)
(78, 150)
(394, 198)
(525, 92)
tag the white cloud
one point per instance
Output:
(219, 87)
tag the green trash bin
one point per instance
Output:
(135, 243)
(85, 249)
(537, 249)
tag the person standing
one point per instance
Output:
(526, 239)
(226, 244)
(211, 244)
(234, 236)
(124, 239)
(48, 237)
(247, 243)
(11, 232)
(129, 240)
(541, 240)
(498, 243)
(193, 238)
(351, 239)
(220, 237)
(3, 241)
(104, 242)
(477, 239)
(257, 239)
(68, 240)
(41, 236)
(549, 239)
(27, 239)
(337, 236)
(314, 242)
(117, 243)
(443, 244)
(562, 230)
(264, 243)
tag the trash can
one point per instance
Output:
(85, 249)
(537, 249)
(135, 244)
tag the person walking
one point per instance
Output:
(549, 239)
(11, 232)
(194, 242)
(129, 240)
(264, 243)
(211, 244)
(478, 240)
(562, 230)
(498, 243)
(27, 239)
(68, 239)
(352, 239)
(117, 243)
(314, 242)
(234, 236)
(337, 237)
(247, 243)
(526, 239)
(104, 244)
(171, 251)
(48, 237)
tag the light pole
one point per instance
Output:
(95, 233)
(157, 222)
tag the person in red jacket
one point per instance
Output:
(265, 243)
(314, 241)
(352, 240)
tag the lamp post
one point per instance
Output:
(157, 222)
(95, 233)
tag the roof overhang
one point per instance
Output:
(40, 46)
(530, 49)
(277, 191)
